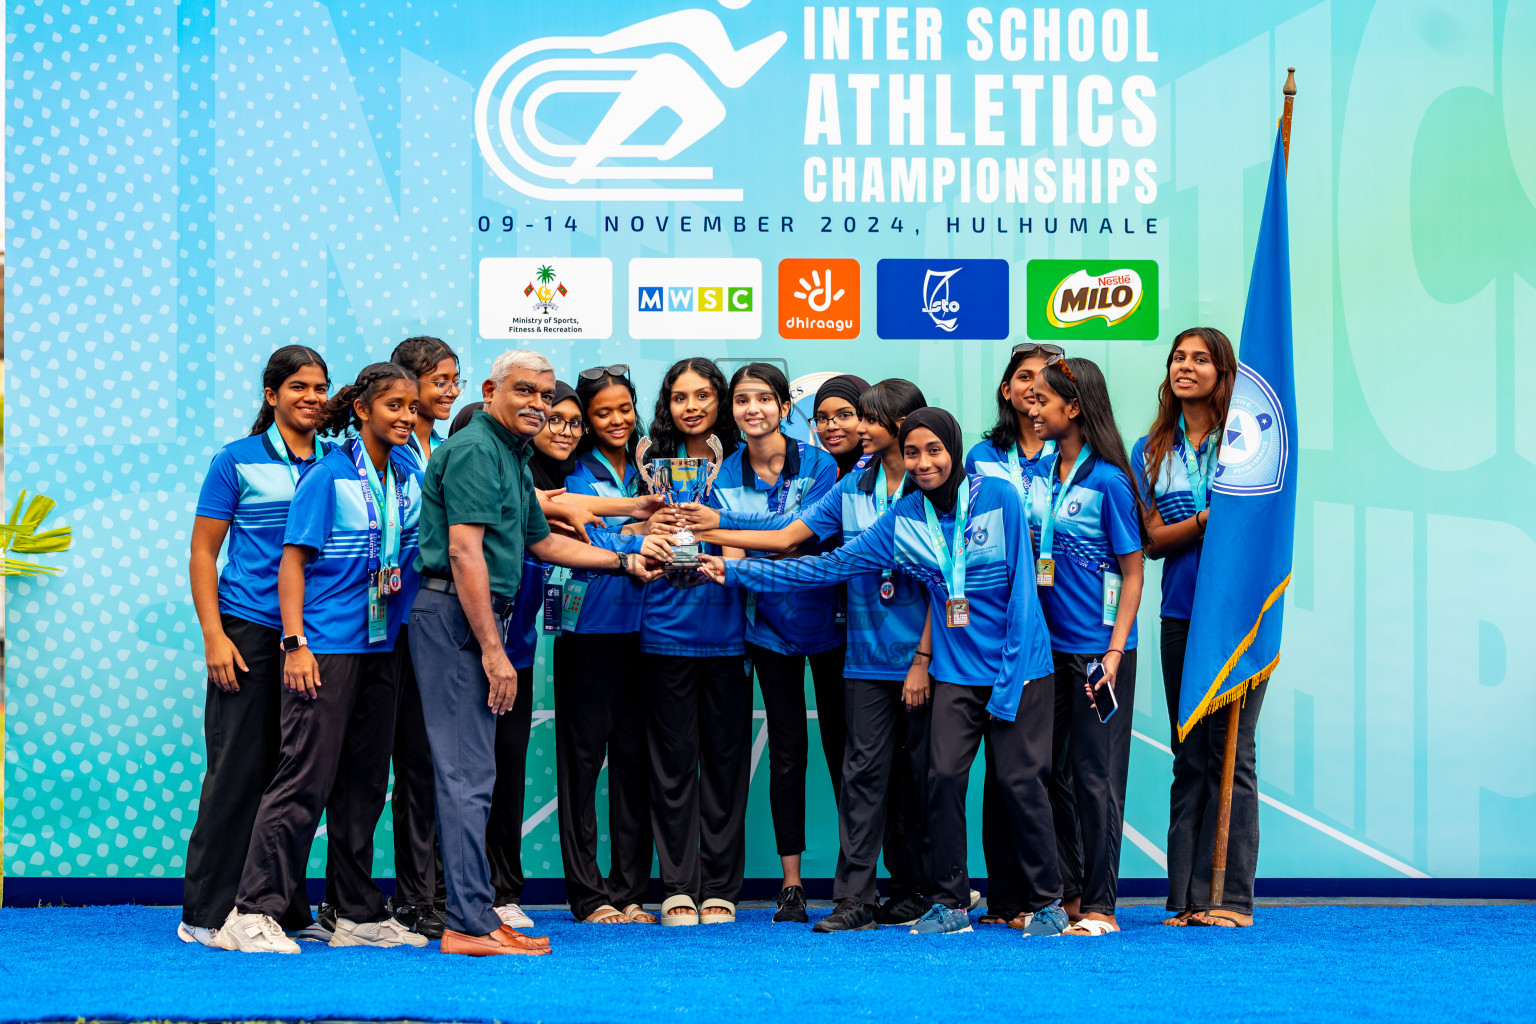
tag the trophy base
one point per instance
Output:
(685, 556)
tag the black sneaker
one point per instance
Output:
(327, 917)
(904, 911)
(791, 905)
(431, 921)
(406, 913)
(851, 915)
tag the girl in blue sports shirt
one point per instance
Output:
(245, 498)
(344, 586)
(884, 673)
(419, 901)
(1013, 451)
(1087, 525)
(1175, 465)
(960, 537)
(699, 693)
(774, 474)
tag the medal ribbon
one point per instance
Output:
(882, 502)
(1058, 498)
(1016, 469)
(1197, 467)
(952, 568)
(275, 439)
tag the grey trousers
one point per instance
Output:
(462, 732)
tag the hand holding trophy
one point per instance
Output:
(680, 481)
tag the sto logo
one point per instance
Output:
(521, 155)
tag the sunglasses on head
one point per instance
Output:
(599, 372)
(1059, 359)
(1030, 348)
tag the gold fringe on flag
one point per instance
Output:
(1210, 702)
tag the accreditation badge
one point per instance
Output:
(957, 612)
(1112, 586)
(1045, 572)
(378, 629)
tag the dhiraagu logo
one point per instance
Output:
(1092, 300)
(697, 299)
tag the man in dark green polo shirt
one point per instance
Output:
(479, 512)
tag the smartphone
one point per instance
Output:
(1105, 708)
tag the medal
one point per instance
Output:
(887, 589)
(394, 580)
(957, 612)
(1045, 572)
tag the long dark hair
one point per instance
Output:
(890, 401)
(665, 437)
(281, 365)
(1096, 419)
(421, 354)
(588, 389)
(1164, 433)
(338, 416)
(1005, 432)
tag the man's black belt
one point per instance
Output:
(500, 606)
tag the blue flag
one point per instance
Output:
(1234, 630)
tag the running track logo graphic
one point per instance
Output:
(544, 168)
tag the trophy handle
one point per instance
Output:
(714, 466)
(640, 452)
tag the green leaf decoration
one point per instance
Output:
(21, 534)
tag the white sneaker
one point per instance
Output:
(975, 899)
(254, 933)
(192, 933)
(513, 917)
(384, 934)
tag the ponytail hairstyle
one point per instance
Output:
(1096, 417)
(586, 390)
(776, 381)
(281, 365)
(666, 438)
(1005, 432)
(890, 401)
(338, 416)
(421, 355)
(1164, 433)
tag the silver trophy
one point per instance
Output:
(679, 481)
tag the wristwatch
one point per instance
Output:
(623, 567)
(292, 642)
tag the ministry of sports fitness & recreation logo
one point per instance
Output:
(1091, 300)
(513, 137)
(530, 296)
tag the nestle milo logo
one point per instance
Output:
(1092, 299)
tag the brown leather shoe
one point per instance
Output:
(498, 943)
(518, 938)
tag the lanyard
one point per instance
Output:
(373, 498)
(626, 486)
(778, 505)
(1197, 467)
(882, 502)
(275, 439)
(952, 568)
(1016, 470)
(1058, 496)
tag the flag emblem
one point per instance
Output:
(1254, 444)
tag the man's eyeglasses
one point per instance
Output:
(599, 372)
(1032, 348)
(843, 418)
(561, 425)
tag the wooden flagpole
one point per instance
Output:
(1234, 709)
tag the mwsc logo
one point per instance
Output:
(1092, 299)
(520, 154)
(695, 298)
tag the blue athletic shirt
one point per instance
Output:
(249, 486)
(1096, 521)
(329, 515)
(1005, 646)
(612, 603)
(986, 459)
(805, 621)
(1175, 503)
(705, 621)
(413, 447)
(881, 635)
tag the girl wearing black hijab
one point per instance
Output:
(837, 420)
(959, 536)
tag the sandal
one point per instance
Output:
(729, 917)
(1179, 920)
(1220, 919)
(1091, 927)
(638, 914)
(671, 920)
(606, 914)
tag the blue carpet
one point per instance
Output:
(1302, 964)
